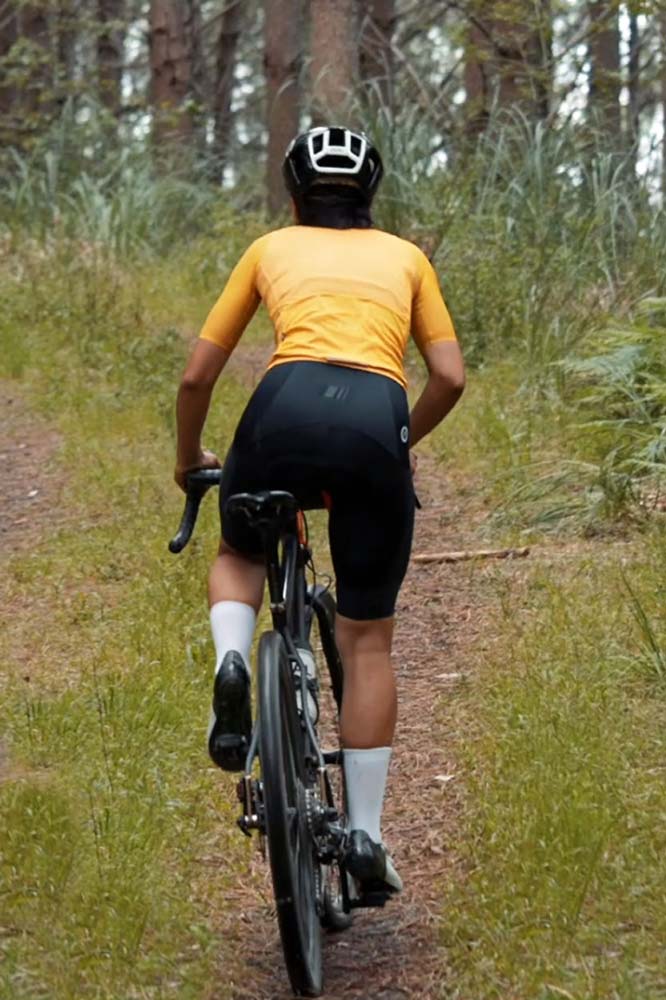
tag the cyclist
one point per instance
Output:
(330, 416)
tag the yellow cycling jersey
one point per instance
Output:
(343, 296)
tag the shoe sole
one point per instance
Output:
(229, 737)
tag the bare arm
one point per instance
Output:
(445, 385)
(196, 387)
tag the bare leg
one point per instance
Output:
(369, 704)
(234, 577)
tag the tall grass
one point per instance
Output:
(119, 844)
(562, 751)
(127, 209)
(622, 380)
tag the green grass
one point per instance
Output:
(109, 810)
(114, 803)
(110, 804)
(119, 838)
(562, 839)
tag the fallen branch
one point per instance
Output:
(454, 557)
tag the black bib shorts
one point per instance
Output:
(312, 428)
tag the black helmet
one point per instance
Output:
(331, 155)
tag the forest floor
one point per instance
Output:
(397, 952)
(531, 721)
(389, 953)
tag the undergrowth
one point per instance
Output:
(562, 752)
(119, 843)
(119, 847)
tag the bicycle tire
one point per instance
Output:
(325, 609)
(290, 847)
(333, 916)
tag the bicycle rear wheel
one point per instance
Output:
(324, 608)
(290, 845)
(334, 916)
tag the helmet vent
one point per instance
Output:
(333, 162)
(331, 154)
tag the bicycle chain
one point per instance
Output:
(309, 812)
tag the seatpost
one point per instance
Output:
(270, 534)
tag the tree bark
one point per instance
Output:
(508, 60)
(477, 78)
(633, 124)
(37, 92)
(225, 66)
(67, 14)
(199, 78)
(8, 95)
(604, 54)
(376, 55)
(662, 100)
(170, 68)
(334, 59)
(541, 59)
(282, 62)
(110, 53)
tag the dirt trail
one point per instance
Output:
(31, 482)
(394, 953)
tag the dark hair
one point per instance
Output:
(334, 206)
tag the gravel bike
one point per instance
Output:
(292, 791)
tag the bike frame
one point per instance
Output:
(282, 527)
(286, 555)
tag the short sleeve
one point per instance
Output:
(431, 321)
(237, 304)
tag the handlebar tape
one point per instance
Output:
(198, 483)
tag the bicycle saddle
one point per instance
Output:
(266, 507)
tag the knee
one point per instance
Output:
(363, 637)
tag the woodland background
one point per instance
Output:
(140, 150)
(228, 83)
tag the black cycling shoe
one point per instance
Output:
(370, 864)
(231, 720)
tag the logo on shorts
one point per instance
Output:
(404, 434)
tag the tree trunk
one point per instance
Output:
(67, 15)
(170, 68)
(633, 124)
(110, 53)
(282, 61)
(508, 60)
(37, 92)
(225, 66)
(199, 80)
(662, 100)
(334, 59)
(605, 83)
(8, 95)
(376, 55)
(477, 78)
(541, 59)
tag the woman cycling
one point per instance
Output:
(329, 416)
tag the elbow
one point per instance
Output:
(458, 383)
(450, 383)
(192, 383)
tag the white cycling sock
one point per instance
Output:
(232, 624)
(366, 772)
